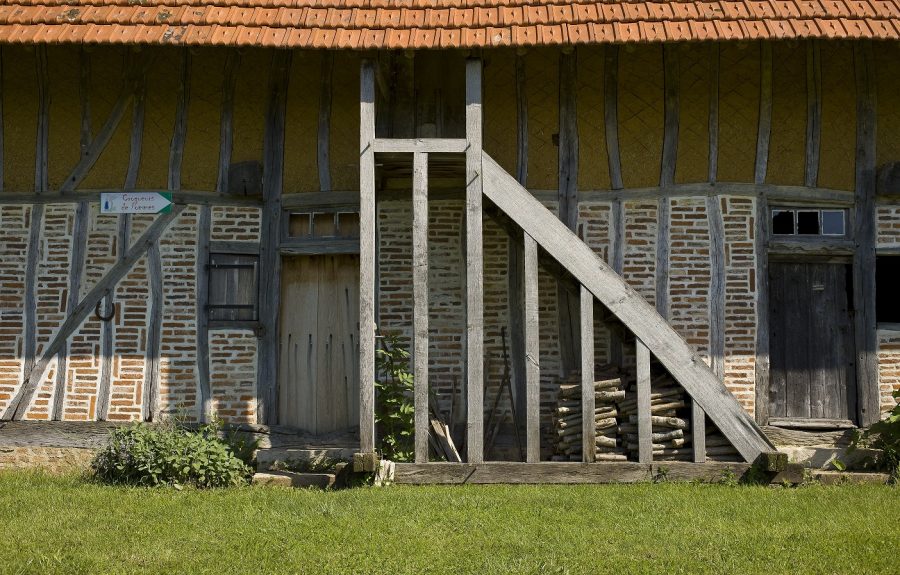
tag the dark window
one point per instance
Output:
(887, 278)
(809, 222)
(233, 280)
(323, 225)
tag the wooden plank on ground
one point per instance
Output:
(520, 473)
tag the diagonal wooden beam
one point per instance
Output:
(23, 397)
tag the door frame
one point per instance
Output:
(816, 249)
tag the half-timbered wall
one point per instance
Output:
(640, 127)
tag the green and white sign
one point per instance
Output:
(135, 202)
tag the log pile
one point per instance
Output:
(567, 417)
(670, 420)
(718, 448)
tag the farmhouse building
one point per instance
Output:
(607, 232)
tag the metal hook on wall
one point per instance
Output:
(110, 314)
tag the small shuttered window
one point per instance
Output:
(233, 287)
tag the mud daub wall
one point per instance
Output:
(84, 86)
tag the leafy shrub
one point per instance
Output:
(169, 455)
(883, 436)
(394, 412)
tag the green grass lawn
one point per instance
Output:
(66, 525)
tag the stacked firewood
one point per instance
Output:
(567, 418)
(669, 419)
(718, 448)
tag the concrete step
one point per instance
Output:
(291, 479)
(265, 458)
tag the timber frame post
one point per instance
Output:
(367, 263)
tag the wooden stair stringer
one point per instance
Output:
(611, 289)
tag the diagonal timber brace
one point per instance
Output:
(22, 400)
(626, 304)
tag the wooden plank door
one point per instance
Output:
(812, 343)
(319, 343)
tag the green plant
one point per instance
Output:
(168, 454)
(884, 437)
(393, 399)
(243, 445)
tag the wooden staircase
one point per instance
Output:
(541, 232)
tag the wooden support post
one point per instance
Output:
(2, 147)
(588, 428)
(698, 432)
(765, 115)
(864, 233)
(474, 267)
(813, 112)
(532, 353)
(645, 452)
(176, 148)
(617, 263)
(204, 403)
(717, 283)
(367, 262)
(270, 236)
(420, 303)
(324, 139)
(666, 178)
(611, 114)
(521, 121)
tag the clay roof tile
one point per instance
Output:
(578, 33)
(677, 31)
(602, 32)
(627, 31)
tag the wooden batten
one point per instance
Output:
(474, 266)
(865, 233)
(270, 236)
(532, 352)
(765, 114)
(813, 112)
(611, 114)
(367, 261)
(323, 141)
(420, 304)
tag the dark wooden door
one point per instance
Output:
(812, 345)
(318, 379)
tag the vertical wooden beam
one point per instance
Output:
(761, 280)
(865, 235)
(813, 112)
(32, 256)
(567, 306)
(617, 262)
(532, 353)
(698, 432)
(713, 112)
(420, 303)
(2, 147)
(717, 282)
(765, 114)
(588, 429)
(204, 391)
(84, 93)
(611, 114)
(176, 148)
(645, 447)
(270, 235)
(403, 100)
(762, 237)
(666, 177)
(324, 140)
(521, 121)
(474, 267)
(367, 261)
(670, 135)
(226, 122)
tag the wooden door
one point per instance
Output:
(318, 385)
(812, 343)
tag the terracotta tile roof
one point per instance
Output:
(366, 24)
